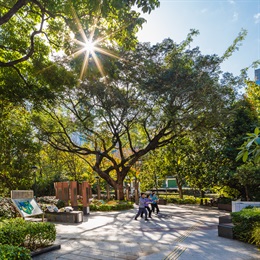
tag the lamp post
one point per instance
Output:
(156, 184)
(98, 187)
(128, 187)
(166, 186)
(108, 192)
(138, 166)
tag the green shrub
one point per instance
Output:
(7, 209)
(60, 204)
(13, 232)
(32, 235)
(186, 199)
(224, 200)
(39, 235)
(46, 201)
(255, 238)
(244, 223)
(9, 252)
(111, 205)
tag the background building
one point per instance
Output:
(257, 76)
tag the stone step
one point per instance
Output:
(225, 219)
(226, 230)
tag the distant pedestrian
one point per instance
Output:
(142, 208)
(147, 203)
(154, 203)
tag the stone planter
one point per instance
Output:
(162, 202)
(227, 207)
(67, 217)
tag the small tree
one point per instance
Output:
(248, 176)
(251, 147)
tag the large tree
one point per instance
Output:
(151, 96)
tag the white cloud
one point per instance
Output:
(231, 2)
(204, 10)
(235, 16)
(257, 18)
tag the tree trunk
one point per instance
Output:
(179, 184)
(202, 193)
(108, 192)
(120, 191)
(247, 195)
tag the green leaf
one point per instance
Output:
(245, 156)
(257, 141)
(256, 131)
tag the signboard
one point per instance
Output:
(27, 207)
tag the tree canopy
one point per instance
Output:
(112, 106)
(18, 150)
(152, 95)
(34, 32)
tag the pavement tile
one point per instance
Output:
(178, 232)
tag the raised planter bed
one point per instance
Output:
(67, 217)
(225, 219)
(227, 207)
(225, 227)
(162, 202)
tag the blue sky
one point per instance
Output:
(219, 22)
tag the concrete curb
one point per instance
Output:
(45, 250)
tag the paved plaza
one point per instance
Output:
(178, 232)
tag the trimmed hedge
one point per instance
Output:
(186, 199)
(32, 235)
(13, 232)
(39, 235)
(8, 252)
(100, 205)
(247, 224)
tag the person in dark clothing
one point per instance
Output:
(142, 208)
(147, 202)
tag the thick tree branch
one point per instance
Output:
(30, 52)
(19, 4)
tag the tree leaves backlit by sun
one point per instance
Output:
(89, 47)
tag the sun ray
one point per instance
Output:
(77, 53)
(81, 31)
(84, 65)
(99, 65)
(94, 46)
(91, 46)
(108, 53)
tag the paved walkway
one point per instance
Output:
(178, 232)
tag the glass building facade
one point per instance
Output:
(257, 76)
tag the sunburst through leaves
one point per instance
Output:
(90, 47)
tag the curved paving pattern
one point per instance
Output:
(178, 232)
